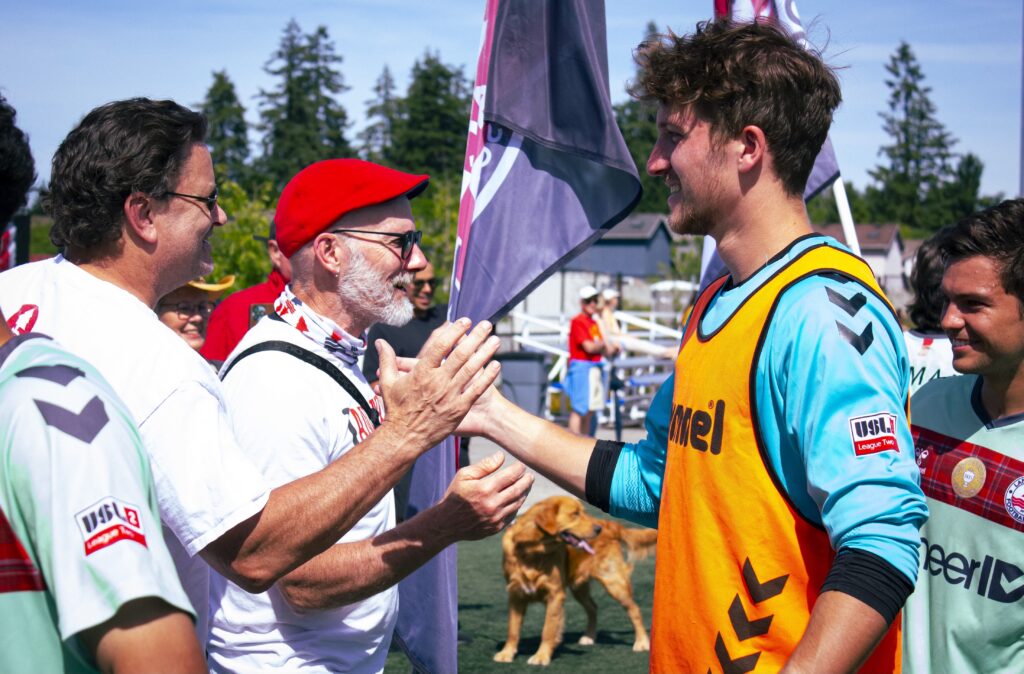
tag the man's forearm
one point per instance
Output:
(551, 450)
(351, 572)
(840, 635)
(257, 552)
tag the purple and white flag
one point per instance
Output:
(547, 171)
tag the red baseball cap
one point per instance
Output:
(321, 193)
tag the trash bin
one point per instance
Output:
(524, 379)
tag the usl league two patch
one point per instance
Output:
(110, 520)
(873, 433)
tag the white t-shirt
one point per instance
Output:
(293, 420)
(931, 357)
(78, 515)
(204, 484)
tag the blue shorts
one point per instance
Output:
(580, 385)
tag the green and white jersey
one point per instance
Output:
(79, 534)
(967, 611)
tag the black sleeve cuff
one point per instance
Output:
(600, 471)
(869, 578)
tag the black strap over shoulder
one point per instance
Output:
(316, 361)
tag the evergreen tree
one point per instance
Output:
(381, 113)
(638, 123)
(429, 133)
(960, 196)
(919, 158)
(228, 133)
(822, 209)
(301, 120)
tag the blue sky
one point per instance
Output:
(60, 59)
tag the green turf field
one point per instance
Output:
(483, 614)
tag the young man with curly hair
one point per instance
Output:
(778, 465)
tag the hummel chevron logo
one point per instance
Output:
(737, 666)
(744, 626)
(58, 374)
(84, 426)
(850, 306)
(760, 591)
(860, 342)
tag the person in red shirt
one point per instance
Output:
(583, 376)
(233, 317)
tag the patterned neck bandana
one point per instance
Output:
(321, 330)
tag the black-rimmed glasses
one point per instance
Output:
(187, 309)
(407, 240)
(210, 200)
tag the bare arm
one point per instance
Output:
(479, 503)
(145, 635)
(424, 406)
(840, 635)
(593, 346)
(551, 450)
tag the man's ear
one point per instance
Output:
(331, 253)
(139, 216)
(753, 150)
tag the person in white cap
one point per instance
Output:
(610, 327)
(583, 374)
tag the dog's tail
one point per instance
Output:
(640, 543)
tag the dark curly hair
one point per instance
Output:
(137, 145)
(996, 232)
(739, 74)
(17, 169)
(926, 308)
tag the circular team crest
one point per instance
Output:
(968, 477)
(1014, 499)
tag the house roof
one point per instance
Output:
(910, 247)
(637, 227)
(872, 238)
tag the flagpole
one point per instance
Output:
(845, 215)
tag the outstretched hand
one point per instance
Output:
(453, 370)
(481, 500)
(480, 417)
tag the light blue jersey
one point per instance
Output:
(810, 389)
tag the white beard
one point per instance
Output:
(365, 292)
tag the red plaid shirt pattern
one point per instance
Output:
(937, 455)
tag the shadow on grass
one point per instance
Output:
(485, 618)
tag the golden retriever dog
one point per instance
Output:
(555, 545)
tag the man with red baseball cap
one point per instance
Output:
(300, 403)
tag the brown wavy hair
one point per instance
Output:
(996, 232)
(925, 280)
(136, 145)
(739, 74)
